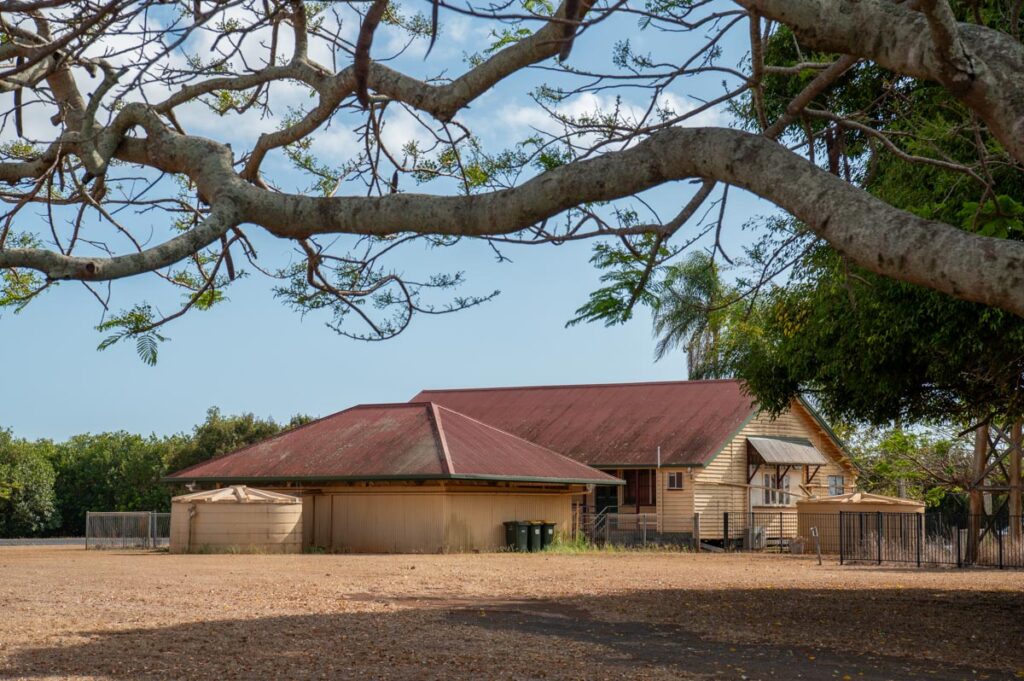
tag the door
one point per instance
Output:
(606, 497)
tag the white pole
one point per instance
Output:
(659, 456)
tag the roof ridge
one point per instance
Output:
(446, 454)
(511, 435)
(576, 385)
(282, 433)
(289, 431)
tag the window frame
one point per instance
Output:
(842, 485)
(642, 484)
(675, 475)
(776, 492)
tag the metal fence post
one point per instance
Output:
(878, 531)
(696, 532)
(842, 534)
(959, 563)
(725, 530)
(645, 529)
(920, 537)
(87, 514)
(999, 538)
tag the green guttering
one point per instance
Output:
(233, 480)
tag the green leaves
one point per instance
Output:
(629, 280)
(27, 501)
(137, 323)
(1001, 218)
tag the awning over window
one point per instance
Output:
(783, 451)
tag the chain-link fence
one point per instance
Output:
(127, 530)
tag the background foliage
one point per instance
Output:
(46, 487)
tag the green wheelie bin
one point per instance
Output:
(517, 535)
(536, 533)
(547, 534)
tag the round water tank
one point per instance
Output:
(236, 519)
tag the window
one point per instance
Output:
(675, 480)
(775, 490)
(836, 485)
(640, 487)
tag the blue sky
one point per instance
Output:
(254, 355)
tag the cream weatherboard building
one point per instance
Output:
(400, 478)
(444, 471)
(683, 448)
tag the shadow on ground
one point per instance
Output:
(737, 634)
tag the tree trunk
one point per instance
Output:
(1015, 483)
(976, 508)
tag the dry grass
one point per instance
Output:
(67, 613)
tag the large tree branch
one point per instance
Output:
(57, 266)
(871, 233)
(979, 65)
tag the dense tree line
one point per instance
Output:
(46, 487)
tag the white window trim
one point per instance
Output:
(776, 496)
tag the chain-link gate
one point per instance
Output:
(127, 530)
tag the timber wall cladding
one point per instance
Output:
(712, 498)
(261, 528)
(675, 506)
(475, 520)
(424, 521)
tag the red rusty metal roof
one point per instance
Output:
(613, 424)
(404, 441)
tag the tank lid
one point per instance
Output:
(237, 494)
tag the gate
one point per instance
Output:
(135, 530)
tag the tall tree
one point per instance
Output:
(220, 434)
(27, 501)
(695, 312)
(108, 472)
(105, 135)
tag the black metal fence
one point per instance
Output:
(931, 539)
(632, 530)
(779, 531)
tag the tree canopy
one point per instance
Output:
(150, 138)
(866, 347)
(46, 488)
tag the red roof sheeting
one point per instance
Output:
(613, 424)
(412, 441)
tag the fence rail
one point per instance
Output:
(113, 529)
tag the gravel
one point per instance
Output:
(71, 613)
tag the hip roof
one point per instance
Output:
(403, 441)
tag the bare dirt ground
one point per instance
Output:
(70, 613)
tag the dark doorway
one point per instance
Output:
(606, 498)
